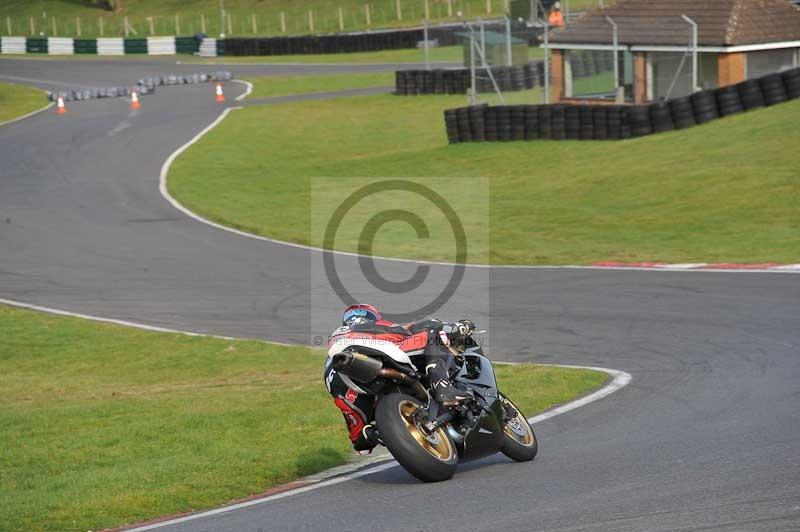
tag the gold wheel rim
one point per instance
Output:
(518, 428)
(437, 445)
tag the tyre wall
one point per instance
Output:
(616, 122)
(457, 80)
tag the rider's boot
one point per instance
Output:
(443, 390)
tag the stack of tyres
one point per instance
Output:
(639, 119)
(85, 46)
(36, 45)
(135, 46)
(464, 129)
(614, 117)
(438, 82)
(451, 123)
(791, 80)
(400, 82)
(517, 77)
(729, 101)
(661, 117)
(586, 131)
(545, 121)
(773, 89)
(427, 82)
(517, 122)
(704, 105)
(476, 122)
(558, 122)
(576, 63)
(572, 123)
(504, 123)
(490, 123)
(186, 45)
(682, 112)
(531, 76)
(600, 119)
(531, 122)
(750, 94)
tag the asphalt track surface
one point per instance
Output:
(707, 436)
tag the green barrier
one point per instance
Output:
(36, 45)
(85, 46)
(186, 45)
(135, 46)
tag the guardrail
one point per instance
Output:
(99, 46)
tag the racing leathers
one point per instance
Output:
(425, 342)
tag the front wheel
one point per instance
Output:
(429, 457)
(519, 440)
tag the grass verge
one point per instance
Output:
(104, 425)
(17, 100)
(267, 86)
(725, 191)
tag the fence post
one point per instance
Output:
(449, 8)
(230, 24)
(341, 19)
(255, 24)
(488, 6)
(125, 24)
(8, 25)
(427, 10)
(55, 29)
(283, 22)
(150, 23)
(399, 10)
(177, 24)
(202, 23)
(78, 26)
(32, 26)
(101, 25)
(310, 21)
(366, 12)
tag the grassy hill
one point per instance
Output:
(266, 13)
(725, 191)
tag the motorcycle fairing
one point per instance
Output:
(486, 436)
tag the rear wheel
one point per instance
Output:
(519, 440)
(429, 457)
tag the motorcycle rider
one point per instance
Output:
(428, 338)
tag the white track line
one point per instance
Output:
(165, 192)
(249, 90)
(23, 117)
(620, 380)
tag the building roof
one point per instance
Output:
(721, 23)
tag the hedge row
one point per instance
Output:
(359, 42)
(615, 122)
(457, 81)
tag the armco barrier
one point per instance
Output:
(60, 46)
(160, 46)
(614, 122)
(110, 46)
(457, 80)
(12, 45)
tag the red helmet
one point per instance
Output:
(359, 314)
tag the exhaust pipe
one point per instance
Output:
(358, 367)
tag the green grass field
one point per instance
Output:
(17, 100)
(725, 191)
(325, 15)
(264, 87)
(104, 425)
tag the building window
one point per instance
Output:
(766, 62)
(672, 73)
(590, 73)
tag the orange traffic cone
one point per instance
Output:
(135, 100)
(60, 107)
(220, 96)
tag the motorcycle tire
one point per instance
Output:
(519, 440)
(429, 458)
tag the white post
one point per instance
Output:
(78, 26)
(367, 14)
(427, 10)
(221, 17)
(230, 24)
(618, 96)
(449, 8)
(202, 23)
(55, 29)
(255, 23)
(483, 39)
(509, 57)
(283, 22)
(473, 90)
(127, 28)
(177, 24)
(341, 19)
(102, 25)
(150, 21)
(399, 10)
(427, 45)
(8, 25)
(693, 47)
(310, 20)
(488, 7)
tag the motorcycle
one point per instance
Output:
(425, 437)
